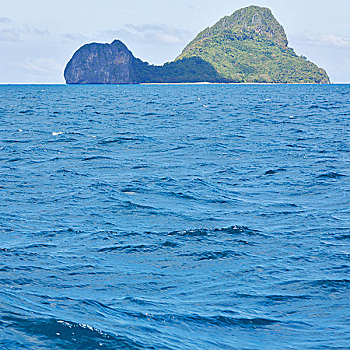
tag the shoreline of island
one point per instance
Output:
(208, 83)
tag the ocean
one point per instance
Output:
(175, 217)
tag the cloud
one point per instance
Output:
(39, 70)
(326, 40)
(5, 20)
(20, 34)
(150, 33)
(41, 65)
(36, 31)
(10, 31)
(9, 35)
(347, 63)
(74, 37)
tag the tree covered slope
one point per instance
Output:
(251, 46)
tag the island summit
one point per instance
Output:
(250, 46)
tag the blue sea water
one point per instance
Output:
(175, 217)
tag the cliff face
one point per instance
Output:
(100, 64)
(248, 46)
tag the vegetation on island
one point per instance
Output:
(250, 46)
(187, 70)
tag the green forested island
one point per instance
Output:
(250, 46)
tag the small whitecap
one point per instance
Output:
(57, 133)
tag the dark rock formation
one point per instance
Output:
(115, 64)
(100, 64)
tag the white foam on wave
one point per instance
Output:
(57, 133)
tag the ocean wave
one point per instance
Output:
(130, 248)
(215, 255)
(331, 175)
(65, 334)
(96, 158)
(214, 320)
(233, 230)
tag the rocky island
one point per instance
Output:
(250, 46)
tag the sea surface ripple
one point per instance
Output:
(175, 217)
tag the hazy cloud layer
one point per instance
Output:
(74, 37)
(347, 63)
(39, 69)
(151, 33)
(326, 40)
(10, 31)
(43, 65)
(5, 20)
(9, 35)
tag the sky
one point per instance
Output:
(38, 37)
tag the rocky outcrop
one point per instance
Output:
(100, 64)
(115, 64)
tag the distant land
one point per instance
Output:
(250, 46)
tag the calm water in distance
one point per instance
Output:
(175, 217)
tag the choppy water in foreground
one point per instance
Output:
(174, 217)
